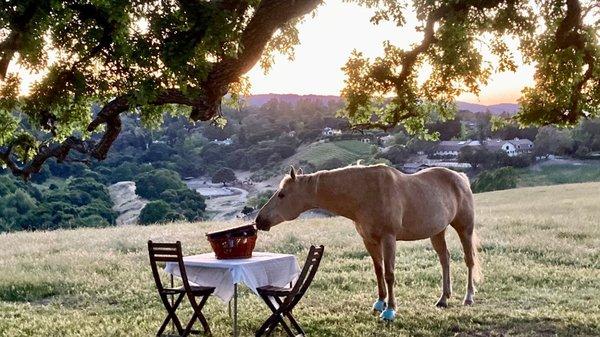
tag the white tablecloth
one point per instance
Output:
(260, 270)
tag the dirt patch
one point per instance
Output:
(127, 203)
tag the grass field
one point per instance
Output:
(560, 174)
(348, 151)
(541, 263)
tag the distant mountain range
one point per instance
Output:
(496, 109)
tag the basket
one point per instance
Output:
(233, 243)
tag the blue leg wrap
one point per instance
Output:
(379, 306)
(388, 315)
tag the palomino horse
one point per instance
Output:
(386, 205)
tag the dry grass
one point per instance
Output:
(541, 263)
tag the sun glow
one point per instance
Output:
(327, 40)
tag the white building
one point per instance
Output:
(327, 132)
(512, 147)
(453, 147)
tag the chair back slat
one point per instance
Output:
(164, 250)
(167, 252)
(313, 260)
(160, 258)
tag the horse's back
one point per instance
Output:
(433, 198)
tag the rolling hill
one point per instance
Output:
(260, 99)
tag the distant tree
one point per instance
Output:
(224, 175)
(551, 140)
(447, 129)
(151, 184)
(331, 163)
(396, 154)
(190, 204)
(259, 200)
(157, 152)
(477, 157)
(157, 212)
(499, 179)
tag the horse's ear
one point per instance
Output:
(300, 171)
(292, 172)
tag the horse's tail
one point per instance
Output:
(477, 271)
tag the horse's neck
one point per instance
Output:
(338, 192)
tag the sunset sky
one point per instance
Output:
(326, 42)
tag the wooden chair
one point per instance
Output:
(171, 252)
(287, 298)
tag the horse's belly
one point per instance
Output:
(411, 231)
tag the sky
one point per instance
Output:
(327, 40)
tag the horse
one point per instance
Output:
(386, 206)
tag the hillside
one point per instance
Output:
(260, 99)
(541, 265)
(347, 151)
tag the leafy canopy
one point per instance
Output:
(559, 37)
(139, 56)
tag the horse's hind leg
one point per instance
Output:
(374, 249)
(465, 228)
(439, 245)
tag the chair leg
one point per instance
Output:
(171, 315)
(276, 318)
(201, 317)
(197, 307)
(293, 320)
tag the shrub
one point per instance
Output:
(224, 175)
(259, 200)
(499, 179)
(157, 212)
(151, 184)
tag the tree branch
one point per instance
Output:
(569, 35)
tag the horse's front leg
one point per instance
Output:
(388, 244)
(374, 249)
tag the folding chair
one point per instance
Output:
(171, 252)
(285, 299)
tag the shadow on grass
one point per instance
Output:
(28, 292)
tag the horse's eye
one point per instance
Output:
(281, 195)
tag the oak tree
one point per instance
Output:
(102, 58)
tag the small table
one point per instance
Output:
(260, 270)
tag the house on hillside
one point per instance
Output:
(227, 141)
(512, 147)
(453, 147)
(386, 140)
(413, 167)
(328, 132)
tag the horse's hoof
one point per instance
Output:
(379, 306)
(441, 304)
(388, 315)
(468, 301)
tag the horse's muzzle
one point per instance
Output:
(262, 224)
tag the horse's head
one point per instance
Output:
(294, 196)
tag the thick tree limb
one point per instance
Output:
(269, 16)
